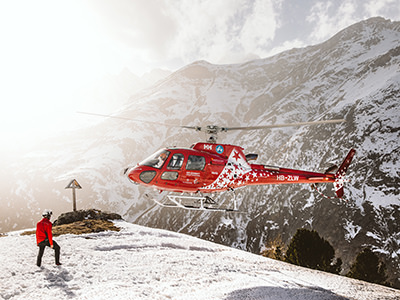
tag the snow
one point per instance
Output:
(352, 230)
(144, 263)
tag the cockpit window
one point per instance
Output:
(176, 161)
(157, 160)
(195, 162)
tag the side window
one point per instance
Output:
(195, 162)
(176, 161)
(169, 175)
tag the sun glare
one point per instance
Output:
(49, 50)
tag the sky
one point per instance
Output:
(50, 49)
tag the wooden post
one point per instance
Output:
(73, 199)
(73, 185)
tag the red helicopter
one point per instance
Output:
(209, 167)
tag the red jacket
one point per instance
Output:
(44, 227)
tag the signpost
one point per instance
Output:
(73, 185)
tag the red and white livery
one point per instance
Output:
(210, 168)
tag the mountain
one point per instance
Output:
(142, 263)
(355, 75)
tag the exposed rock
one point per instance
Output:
(81, 215)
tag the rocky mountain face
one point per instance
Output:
(355, 75)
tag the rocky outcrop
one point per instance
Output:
(82, 215)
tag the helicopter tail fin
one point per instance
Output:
(341, 172)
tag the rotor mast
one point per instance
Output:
(212, 132)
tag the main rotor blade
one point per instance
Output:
(197, 128)
(285, 125)
(127, 119)
(213, 129)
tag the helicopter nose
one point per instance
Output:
(132, 174)
(140, 175)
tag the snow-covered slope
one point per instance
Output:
(143, 263)
(354, 75)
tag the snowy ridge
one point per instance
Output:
(143, 263)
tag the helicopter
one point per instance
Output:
(190, 175)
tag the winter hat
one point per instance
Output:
(47, 213)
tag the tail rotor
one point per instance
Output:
(341, 172)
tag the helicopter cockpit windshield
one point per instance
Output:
(156, 160)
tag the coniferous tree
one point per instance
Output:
(309, 250)
(367, 267)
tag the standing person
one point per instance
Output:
(44, 237)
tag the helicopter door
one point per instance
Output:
(176, 161)
(195, 169)
(173, 167)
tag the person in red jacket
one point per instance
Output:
(44, 237)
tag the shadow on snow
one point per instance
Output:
(279, 293)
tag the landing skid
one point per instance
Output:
(204, 203)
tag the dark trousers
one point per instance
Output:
(45, 244)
